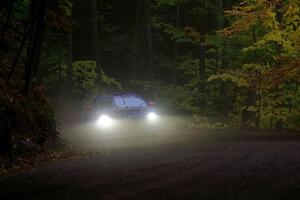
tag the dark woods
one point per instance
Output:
(228, 63)
(27, 120)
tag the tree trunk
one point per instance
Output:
(295, 97)
(41, 26)
(280, 124)
(249, 116)
(177, 21)
(216, 69)
(136, 43)
(96, 42)
(69, 64)
(145, 62)
(16, 60)
(148, 38)
(38, 11)
(202, 65)
(83, 38)
(258, 75)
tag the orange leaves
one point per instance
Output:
(240, 25)
(286, 72)
(249, 14)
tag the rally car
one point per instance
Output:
(105, 110)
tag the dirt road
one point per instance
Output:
(189, 167)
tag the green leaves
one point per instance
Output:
(176, 34)
(110, 82)
(232, 78)
(85, 77)
(162, 3)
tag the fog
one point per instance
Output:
(125, 133)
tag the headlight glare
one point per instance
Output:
(152, 116)
(105, 121)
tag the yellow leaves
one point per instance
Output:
(292, 13)
(251, 13)
(246, 10)
(274, 35)
(242, 24)
(263, 14)
(295, 37)
(254, 68)
(227, 77)
(282, 38)
(245, 17)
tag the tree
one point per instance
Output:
(271, 27)
(38, 10)
(145, 62)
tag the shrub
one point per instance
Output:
(26, 123)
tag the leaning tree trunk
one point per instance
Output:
(18, 55)
(38, 12)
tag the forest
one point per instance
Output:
(227, 63)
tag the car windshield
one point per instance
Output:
(103, 103)
(127, 101)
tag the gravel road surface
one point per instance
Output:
(181, 166)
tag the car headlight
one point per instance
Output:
(152, 116)
(105, 121)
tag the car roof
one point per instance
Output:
(117, 94)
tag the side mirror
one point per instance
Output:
(151, 103)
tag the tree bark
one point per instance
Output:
(258, 75)
(136, 60)
(280, 124)
(149, 39)
(38, 11)
(15, 62)
(177, 22)
(96, 42)
(69, 65)
(249, 116)
(291, 104)
(202, 65)
(145, 61)
(83, 37)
